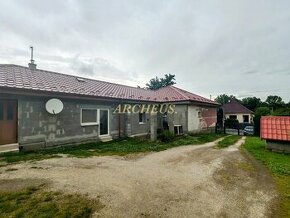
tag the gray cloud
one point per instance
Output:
(250, 72)
(235, 47)
(95, 66)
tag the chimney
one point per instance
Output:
(32, 65)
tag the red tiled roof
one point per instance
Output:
(235, 107)
(275, 128)
(19, 77)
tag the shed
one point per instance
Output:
(276, 131)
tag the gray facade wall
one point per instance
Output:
(39, 129)
(190, 119)
(201, 118)
(36, 125)
(180, 117)
(139, 128)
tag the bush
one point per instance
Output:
(282, 112)
(231, 123)
(166, 136)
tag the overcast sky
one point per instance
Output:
(213, 47)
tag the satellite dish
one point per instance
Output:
(54, 106)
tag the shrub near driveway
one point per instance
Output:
(279, 165)
(116, 147)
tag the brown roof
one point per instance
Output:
(235, 107)
(275, 128)
(23, 78)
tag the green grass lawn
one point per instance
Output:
(116, 147)
(35, 202)
(229, 140)
(279, 165)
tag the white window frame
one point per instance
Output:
(143, 114)
(90, 123)
(178, 129)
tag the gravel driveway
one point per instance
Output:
(188, 181)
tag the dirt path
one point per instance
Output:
(188, 181)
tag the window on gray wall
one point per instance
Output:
(142, 118)
(178, 129)
(89, 117)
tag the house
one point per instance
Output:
(235, 110)
(40, 108)
(276, 131)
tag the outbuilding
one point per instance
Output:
(235, 110)
(276, 131)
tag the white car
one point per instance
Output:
(249, 130)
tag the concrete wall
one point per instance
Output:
(201, 118)
(39, 129)
(37, 126)
(136, 128)
(180, 117)
(240, 117)
(277, 146)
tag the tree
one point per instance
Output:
(260, 111)
(224, 98)
(157, 83)
(252, 103)
(220, 117)
(274, 102)
(282, 112)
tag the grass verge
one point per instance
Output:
(116, 147)
(229, 140)
(34, 202)
(279, 165)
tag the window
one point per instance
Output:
(89, 117)
(178, 130)
(246, 118)
(142, 118)
(234, 117)
(199, 114)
